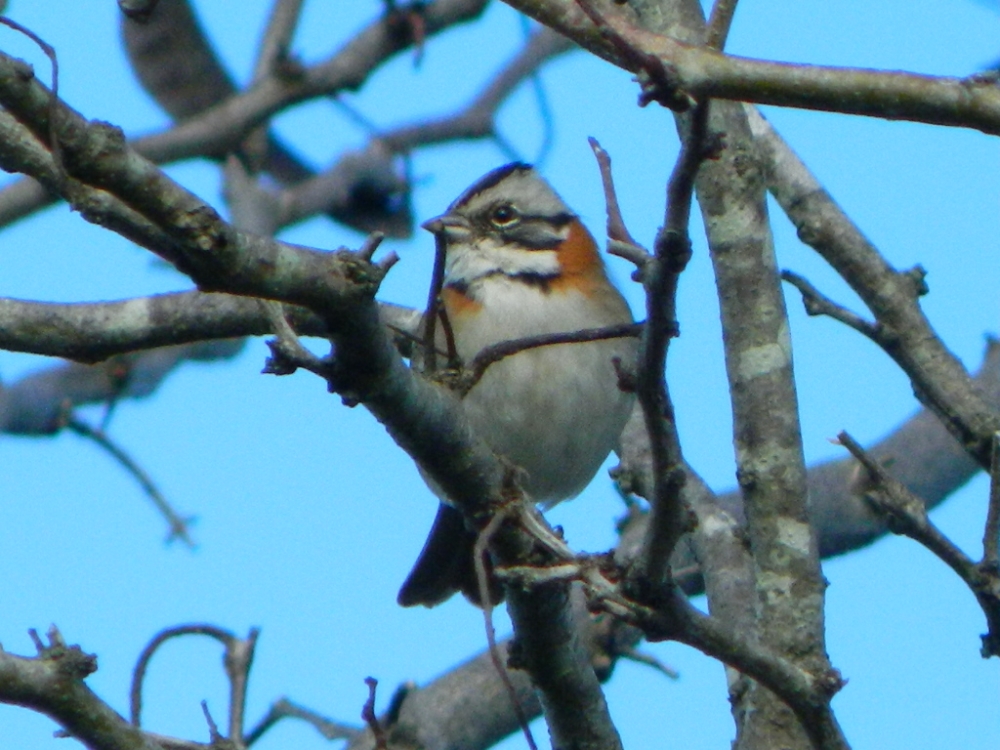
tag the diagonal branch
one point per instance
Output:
(423, 419)
(477, 120)
(215, 120)
(939, 379)
(907, 515)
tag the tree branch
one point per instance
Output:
(939, 379)
(547, 643)
(52, 683)
(907, 515)
(215, 121)
(695, 72)
(340, 288)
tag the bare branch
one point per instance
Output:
(477, 120)
(52, 683)
(649, 660)
(719, 23)
(214, 131)
(215, 737)
(179, 526)
(37, 403)
(697, 72)
(280, 29)
(548, 645)
(95, 331)
(907, 515)
(991, 532)
(788, 621)
(368, 714)
(238, 660)
(285, 709)
(616, 229)
(224, 637)
(492, 354)
(669, 518)
(22, 151)
(469, 701)
(816, 303)
(480, 551)
(217, 129)
(939, 379)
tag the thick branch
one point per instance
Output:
(549, 646)
(698, 72)
(770, 464)
(91, 332)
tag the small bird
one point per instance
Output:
(519, 263)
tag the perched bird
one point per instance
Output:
(519, 263)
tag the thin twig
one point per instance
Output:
(213, 728)
(371, 719)
(478, 119)
(938, 377)
(905, 511)
(179, 525)
(658, 81)
(139, 672)
(480, 550)
(817, 303)
(492, 354)
(669, 516)
(991, 532)
(237, 662)
(286, 709)
(280, 29)
(907, 515)
(616, 229)
(50, 52)
(640, 657)
(371, 243)
(287, 351)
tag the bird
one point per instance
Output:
(519, 262)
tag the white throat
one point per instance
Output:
(465, 264)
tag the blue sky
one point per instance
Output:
(309, 516)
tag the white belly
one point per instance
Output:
(556, 411)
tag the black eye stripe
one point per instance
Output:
(532, 232)
(559, 220)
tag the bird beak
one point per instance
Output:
(447, 224)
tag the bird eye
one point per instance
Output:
(503, 215)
